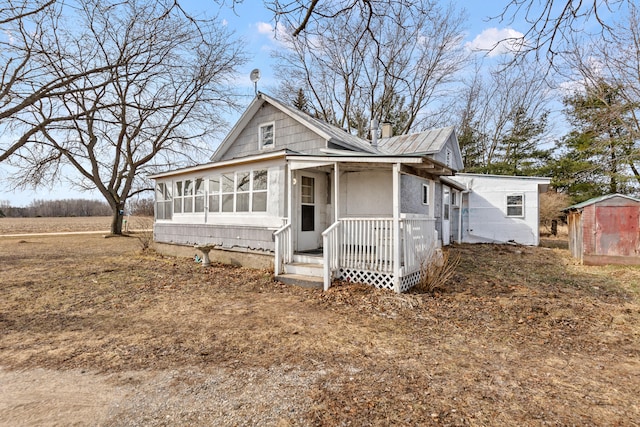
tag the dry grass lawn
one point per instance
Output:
(519, 336)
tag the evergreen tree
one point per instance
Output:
(599, 155)
(518, 150)
(301, 102)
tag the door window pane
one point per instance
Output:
(307, 189)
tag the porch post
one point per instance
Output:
(288, 257)
(289, 193)
(396, 227)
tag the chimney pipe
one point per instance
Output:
(374, 133)
(387, 130)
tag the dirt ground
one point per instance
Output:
(97, 332)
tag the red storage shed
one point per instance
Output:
(605, 230)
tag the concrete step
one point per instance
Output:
(304, 269)
(301, 280)
(308, 259)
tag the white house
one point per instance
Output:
(317, 200)
(499, 209)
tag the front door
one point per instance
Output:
(308, 212)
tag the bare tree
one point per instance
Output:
(158, 100)
(502, 118)
(354, 70)
(309, 17)
(553, 24)
(24, 79)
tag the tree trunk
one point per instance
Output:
(116, 221)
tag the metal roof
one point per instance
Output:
(428, 142)
(598, 200)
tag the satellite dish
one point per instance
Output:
(255, 76)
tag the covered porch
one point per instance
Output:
(357, 219)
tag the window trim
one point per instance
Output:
(521, 205)
(261, 127)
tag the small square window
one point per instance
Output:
(266, 135)
(515, 205)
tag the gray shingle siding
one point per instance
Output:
(227, 236)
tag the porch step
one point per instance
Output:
(301, 280)
(304, 269)
(303, 258)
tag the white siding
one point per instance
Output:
(484, 215)
(366, 194)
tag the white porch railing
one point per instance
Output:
(283, 247)
(419, 239)
(362, 249)
(331, 252)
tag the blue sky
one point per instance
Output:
(254, 24)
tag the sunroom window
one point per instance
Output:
(238, 192)
(198, 200)
(163, 201)
(178, 195)
(188, 196)
(214, 194)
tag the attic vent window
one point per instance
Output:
(266, 135)
(448, 159)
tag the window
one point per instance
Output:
(238, 192)
(177, 200)
(454, 198)
(259, 200)
(199, 196)
(515, 205)
(448, 158)
(187, 206)
(163, 201)
(266, 135)
(227, 191)
(425, 194)
(189, 196)
(214, 194)
(446, 201)
(243, 191)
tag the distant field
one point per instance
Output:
(57, 225)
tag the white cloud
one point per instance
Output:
(496, 41)
(277, 33)
(264, 28)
